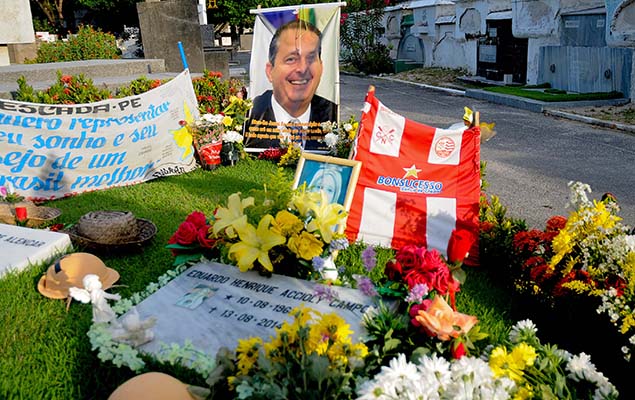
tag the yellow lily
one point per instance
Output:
(326, 216)
(255, 244)
(304, 201)
(233, 214)
(182, 136)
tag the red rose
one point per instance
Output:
(410, 256)
(203, 237)
(185, 234)
(393, 270)
(443, 282)
(458, 350)
(556, 223)
(459, 245)
(197, 218)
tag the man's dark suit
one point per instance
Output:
(322, 110)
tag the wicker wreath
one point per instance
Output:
(109, 227)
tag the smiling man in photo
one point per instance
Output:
(294, 69)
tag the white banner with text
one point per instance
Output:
(49, 151)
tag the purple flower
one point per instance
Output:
(318, 263)
(418, 292)
(325, 292)
(369, 258)
(365, 285)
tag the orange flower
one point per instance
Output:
(441, 321)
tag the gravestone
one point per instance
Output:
(21, 247)
(165, 23)
(213, 305)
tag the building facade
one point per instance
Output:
(578, 46)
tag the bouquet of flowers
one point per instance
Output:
(9, 195)
(523, 368)
(191, 240)
(278, 230)
(340, 137)
(589, 255)
(208, 129)
(311, 357)
(423, 280)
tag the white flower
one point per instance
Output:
(348, 127)
(326, 127)
(213, 118)
(580, 367)
(522, 329)
(330, 139)
(232, 137)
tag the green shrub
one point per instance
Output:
(139, 86)
(213, 93)
(67, 90)
(360, 34)
(87, 44)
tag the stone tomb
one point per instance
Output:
(20, 247)
(213, 305)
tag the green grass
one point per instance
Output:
(552, 95)
(44, 351)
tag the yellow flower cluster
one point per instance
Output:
(306, 228)
(596, 220)
(310, 332)
(512, 364)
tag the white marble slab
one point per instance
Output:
(213, 305)
(21, 247)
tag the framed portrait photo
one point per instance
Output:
(337, 177)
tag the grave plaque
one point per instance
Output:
(213, 305)
(21, 247)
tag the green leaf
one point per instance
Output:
(391, 344)
(181, 246)
(185, 258)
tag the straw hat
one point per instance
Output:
(69, 271)
(152, 385)
(98, 229)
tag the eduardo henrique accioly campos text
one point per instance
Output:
(72, 128)
(272, 290)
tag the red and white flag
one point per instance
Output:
(417, 183)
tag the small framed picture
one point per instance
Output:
(337, 177)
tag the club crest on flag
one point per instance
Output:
(386, 138)
(444, 147)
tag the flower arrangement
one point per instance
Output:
(584, 254)
(191, 240)
(340, 137)
(425, 321)
(521, 369)
(9, 195)
(313, 356)
(280, 232)
(208, 129)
